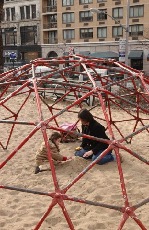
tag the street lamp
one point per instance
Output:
(13, 55)
(126, 28)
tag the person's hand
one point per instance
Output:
(87, 154)
(69, 158)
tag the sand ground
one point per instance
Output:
(22, 211)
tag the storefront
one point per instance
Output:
(106, 55)
(29, 52)
(23, 54)
(136, 59)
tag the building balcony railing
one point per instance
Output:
(50, 25)
(84, 19)
(138, 33)
(49, 9)
(50, 41)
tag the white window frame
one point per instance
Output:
(117, 31)
(84, 32)
(136, 11)
(68, 17)
(136, 30)
(68, 34)
(67, 2)
(102, 32)
(117, 12)
(86, 1)
(25, 12)
(85, 16)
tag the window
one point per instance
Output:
(51, 21)
(68, 17)
(51, 2)
(22, 12)
(27, 12)
(3, 38)
(68, 2)
(117, 31)
(33, 10)
(52, 37)
(2, 17)
(10, 36)
(7, 14)
(28, 56)
(136, 11)
(68, 34)
(13, 14)
(52, 18)
(86, 16)
(137, 64)
(101, 1)
(102, 15)
(85, 1)
(102, 32)
(117, 12)
(135, 30)
(28, 35)
(86, 33)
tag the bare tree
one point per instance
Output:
(1, 41)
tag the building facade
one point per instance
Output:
(69, 25)
(21, 31)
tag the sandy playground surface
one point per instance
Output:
(22, 211)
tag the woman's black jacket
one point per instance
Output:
(97, 130)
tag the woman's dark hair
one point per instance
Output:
(85, 115)
(54, 136)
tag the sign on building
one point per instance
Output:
(13, 56)
(6, 53)
(122, 50)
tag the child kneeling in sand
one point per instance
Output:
(41, 155)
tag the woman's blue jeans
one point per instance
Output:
(107, 158)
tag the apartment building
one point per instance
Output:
(21, 31)
(69, 25)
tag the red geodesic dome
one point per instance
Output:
(77, 79)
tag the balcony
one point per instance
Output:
(49, 9)
(50, 25)
(85, 19)
(137, 33)
(50, 41)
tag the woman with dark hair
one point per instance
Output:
(91, 149)
(41, 155)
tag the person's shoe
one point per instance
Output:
(37, 169)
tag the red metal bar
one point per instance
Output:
(66, 215)
(14, 93)
(64, 190)
(46, 214)
(135, 154)
(19, 147)
(19, 75)
(139, 223)
(55, 181)
(122, 182)
(124, 218)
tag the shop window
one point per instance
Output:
(137, 64)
